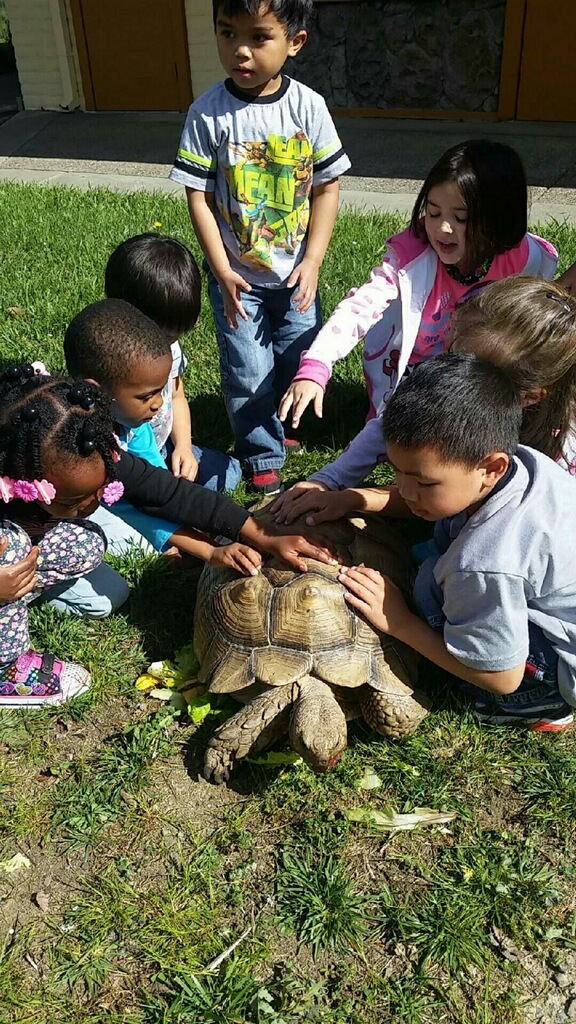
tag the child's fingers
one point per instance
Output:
(3, 545)
(285, 405)
(305, 501)
(356, 601)
(240, 308)
(253, 556)
(27, 565)
(244, 564)
(318, 403)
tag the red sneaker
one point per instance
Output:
(292, 445)
(267, 482)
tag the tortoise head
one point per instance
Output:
(317, 724)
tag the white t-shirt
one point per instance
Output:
(164, 420)
(260, 156)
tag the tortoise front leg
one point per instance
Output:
(248, 732)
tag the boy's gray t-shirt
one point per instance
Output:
(514, 562)
(260, 156)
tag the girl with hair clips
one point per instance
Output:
(468, 228)
(57, 456)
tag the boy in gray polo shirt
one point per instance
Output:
(497, 601)
(260, 158)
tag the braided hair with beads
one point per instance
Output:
(57, 414)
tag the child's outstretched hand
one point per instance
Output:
(300, 498)
(184, 463)
(18, 578)
(298, 398)
(232, 285)
(237, 556)
(293, 547)
(305, 275)
(376, 597)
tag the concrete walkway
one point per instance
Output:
(130, 151)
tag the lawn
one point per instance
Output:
(141, 874)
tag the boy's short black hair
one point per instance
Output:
(105, 340)
(293, 14)
(461, 406)
(158, 275)
(492, 180)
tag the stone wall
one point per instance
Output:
(425, 54)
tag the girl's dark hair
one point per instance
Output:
(528, 327)
(292, 14)
(159, 275)
(461, 406)
(492, 181)
(47, 419)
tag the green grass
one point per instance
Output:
(150, 873)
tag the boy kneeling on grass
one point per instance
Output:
(496, 603)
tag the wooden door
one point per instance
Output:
(547, 88)
(133, 54)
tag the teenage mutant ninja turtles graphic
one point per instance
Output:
(270, 184)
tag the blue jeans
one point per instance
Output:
(258, 360)
(216, 470)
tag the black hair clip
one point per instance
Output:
(87, 438)
(30, 414)
(18, 372)
(561, 302)
(79, 395)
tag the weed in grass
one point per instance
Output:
(548, 781)
(233, 995)
(444, 930)
(92, 797)
(316, 900)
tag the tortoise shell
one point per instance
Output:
(251, 633)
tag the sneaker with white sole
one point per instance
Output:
(36, 680)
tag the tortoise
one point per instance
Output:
(302, 661)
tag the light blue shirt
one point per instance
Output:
(140, 441)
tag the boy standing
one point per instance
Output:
(260, 159)
(497, 601)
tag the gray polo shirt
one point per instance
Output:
(514, 562)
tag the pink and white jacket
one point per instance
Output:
(387, 311)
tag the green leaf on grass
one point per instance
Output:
(186, 662)
(199, 708)
(369, 780)
(393, 822)
(275, 757)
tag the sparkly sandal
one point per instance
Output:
(36, 679)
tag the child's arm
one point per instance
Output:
(182, 460)
(382, 603)
(234, 556)
(322, 220)
(321, 506)
(568, 279)
(158, 493)
(201, 208)
(365, 451)
(349, 324)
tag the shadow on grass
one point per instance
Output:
(162, 602)
(345, 409)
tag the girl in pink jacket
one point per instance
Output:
(468, 228)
